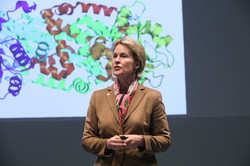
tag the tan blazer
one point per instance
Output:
(146, 116)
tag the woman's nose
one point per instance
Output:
(116, 59)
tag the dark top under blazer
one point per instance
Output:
(146, 116)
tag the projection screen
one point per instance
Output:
(54, 54)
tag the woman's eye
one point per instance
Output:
(123, 55)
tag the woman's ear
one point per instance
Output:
(137, 64)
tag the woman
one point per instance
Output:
(126, 123)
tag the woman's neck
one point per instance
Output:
(124, 84)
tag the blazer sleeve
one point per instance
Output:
(91, 141)
(158, 139)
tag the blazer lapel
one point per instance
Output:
(112, 103)
(139, 94)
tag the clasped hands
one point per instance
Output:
(131, 141)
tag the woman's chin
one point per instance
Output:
(117, 73)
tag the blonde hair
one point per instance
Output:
(137, 51)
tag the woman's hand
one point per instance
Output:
(116, 143)
(133, 141)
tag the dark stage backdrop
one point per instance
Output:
(216, 129)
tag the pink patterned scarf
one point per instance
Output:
(123, 100)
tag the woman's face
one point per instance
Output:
(123, 63)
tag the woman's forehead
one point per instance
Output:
(120, 48)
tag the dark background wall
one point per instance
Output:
(216, 129)
(217, 55)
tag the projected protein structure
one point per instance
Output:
(56, 47)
